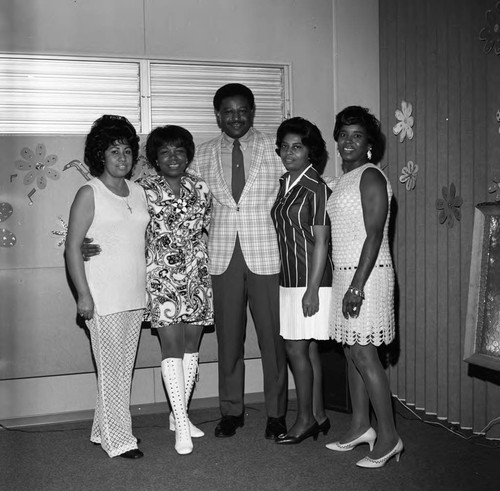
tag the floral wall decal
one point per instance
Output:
(61, 233)
(7, 238)
(38, 166)
(490, 34)
(409, 175)
(404, 128)
(81, 168)
(495, 188)
(449, 206)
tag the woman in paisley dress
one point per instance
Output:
(178, 283)
(362, 310)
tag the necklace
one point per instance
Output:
(118, 192)
(127, 203)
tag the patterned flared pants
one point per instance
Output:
(114, 344)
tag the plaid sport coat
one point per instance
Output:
(251, 217)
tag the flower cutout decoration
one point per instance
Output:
(61, 233)
(38, 166)
(409, 175)
(404, 127)
(7, 238)
(449, 206)
(495, 188)
(490, 34)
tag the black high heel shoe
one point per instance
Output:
(325, 426)
(292, 440)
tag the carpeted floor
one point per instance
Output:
(60, 457)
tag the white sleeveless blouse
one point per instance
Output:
(117, 276)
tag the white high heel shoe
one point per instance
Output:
(369, 436)
(195, 431)
(369, 463)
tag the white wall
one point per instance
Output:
(310, 35)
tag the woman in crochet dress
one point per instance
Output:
(362, 311)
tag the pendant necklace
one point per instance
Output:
(127, 203)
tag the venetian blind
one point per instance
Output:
(49, 95)
(183, 94)
(61, 95)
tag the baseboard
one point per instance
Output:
(152, 408)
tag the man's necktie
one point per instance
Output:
(238, 171)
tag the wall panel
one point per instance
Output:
(431, 56)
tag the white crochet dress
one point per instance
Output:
(375, 323)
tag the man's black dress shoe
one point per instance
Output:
(132, 454)
(291, 440)
(228, 424)
(275, 427)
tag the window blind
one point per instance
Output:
(183, 94)
(66, 95)
(48, 95)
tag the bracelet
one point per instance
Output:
(355, 291)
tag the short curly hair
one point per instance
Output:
(364, 118)
(311, 138)
(106, 131)
(176, 136)
(233, 90)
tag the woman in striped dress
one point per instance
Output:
(303, 228)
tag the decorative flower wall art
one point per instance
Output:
(409, 175)
(404, 127)
(61, 233)
(495, 188)
(490, 34)
(7, 238)
(38, 166)
(78, 166)
(449, 206)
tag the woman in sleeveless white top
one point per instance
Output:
(362, 311)
(111, 289)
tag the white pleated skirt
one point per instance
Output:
(293, 324)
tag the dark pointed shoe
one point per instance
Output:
(292, 440)
(97, 443)
(132, 454)
(275, 427)
(228, 424)
(325, 426)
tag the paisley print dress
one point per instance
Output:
(178, 283)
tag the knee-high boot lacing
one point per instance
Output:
(173, 376)
(190, 366)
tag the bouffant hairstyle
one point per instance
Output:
(311, 138)
(177, 136)
(233, 90)
(362, 116)
(106, 131)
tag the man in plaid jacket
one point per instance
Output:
(244, 258)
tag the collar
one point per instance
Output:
(289, 186)
(245, 140)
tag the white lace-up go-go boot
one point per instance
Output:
(173, 376)
(190, 365)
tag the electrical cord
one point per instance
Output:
(454, 428)
(21, 430)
